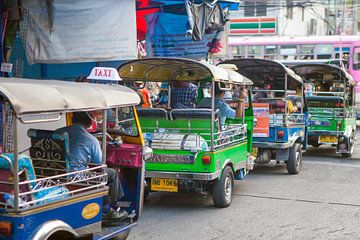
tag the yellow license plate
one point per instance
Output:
(163, 184)
(328, 139)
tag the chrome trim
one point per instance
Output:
(183, 175)
(271, 145)
(91, 228)
(50, 227)
(325, 132)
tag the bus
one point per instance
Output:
(289, 48)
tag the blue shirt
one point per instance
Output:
(185, 96)
(225, 110)
(84, 148)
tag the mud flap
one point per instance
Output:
(282, 154)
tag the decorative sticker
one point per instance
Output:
(90, 211)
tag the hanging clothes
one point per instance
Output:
(204, 17)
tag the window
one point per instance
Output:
(324, 51)
(307, 52)
(249, 9)
(270, 52)
(252, 9)
(356, 58)
(289, 9)
(254, 51)
(125, 122)
(261, 9)
(238, 50)
(287, 52)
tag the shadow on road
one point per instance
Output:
(187, 200)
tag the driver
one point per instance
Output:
(84, 149)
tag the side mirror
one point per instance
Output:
(147, 153)
(255, 121)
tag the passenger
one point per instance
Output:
(84, 148)
(144, 95)
(163, 96)
(183, 94)
(225, 110)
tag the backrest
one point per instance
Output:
(198, 120)
(49, 152)
(152, 112)
(151, 118)
(196, 113)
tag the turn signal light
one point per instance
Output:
(281, 134)
(206, 159)
(5, 229)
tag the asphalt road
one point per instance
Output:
(322, 202)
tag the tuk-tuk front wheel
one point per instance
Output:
(294, 162)
(222, 189)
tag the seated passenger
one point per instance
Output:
(225, 110)
(84, 148)
(183, 94)
(163, 96)
(144, 95)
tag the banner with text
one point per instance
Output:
(166, 36)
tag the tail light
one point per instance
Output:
(206, 160)
(5, 229)
(280, 134)
(339, 124)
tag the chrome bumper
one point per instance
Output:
(324, 132)
(271, 145)
(185, 176)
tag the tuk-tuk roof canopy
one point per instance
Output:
(177, 69)
(320, 71)
(256, 69)
(29, 96)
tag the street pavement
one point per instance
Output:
(322, 202)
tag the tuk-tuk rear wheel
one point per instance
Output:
(294, 162)
(222, 189)
(349, 155)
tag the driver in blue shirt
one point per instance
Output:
(225, 110)
(84, 148)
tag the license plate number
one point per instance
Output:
(165, 185)
(328, 139)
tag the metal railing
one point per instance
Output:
(179, 139)
(44, 190)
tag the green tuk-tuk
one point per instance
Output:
(330, 97)
(192, 150)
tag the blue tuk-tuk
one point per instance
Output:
(41, 197)
(279, 108)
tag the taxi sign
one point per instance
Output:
(104, 73)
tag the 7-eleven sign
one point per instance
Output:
(253, 26)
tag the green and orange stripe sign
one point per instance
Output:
(253, 26)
